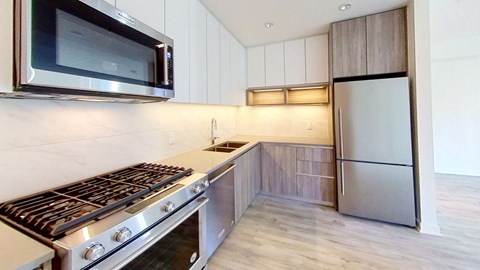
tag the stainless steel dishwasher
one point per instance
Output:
(221, 207)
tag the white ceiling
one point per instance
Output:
(293, 19)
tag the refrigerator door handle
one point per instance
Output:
(340, 131)
(342, 178)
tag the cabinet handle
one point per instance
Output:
(340, 131)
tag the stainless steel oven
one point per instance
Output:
(89, 48)
(176, 243)
(146, 216)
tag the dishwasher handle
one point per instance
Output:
(222, 171)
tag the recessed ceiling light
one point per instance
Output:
(344, 7)
(269, 24)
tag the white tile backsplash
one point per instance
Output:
(44, 144)
(285, 121)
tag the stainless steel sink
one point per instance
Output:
(226, 147)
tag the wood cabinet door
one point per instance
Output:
(349, 47)
(316, 175)
(278, 169)
(316, 188)
(254, 173)
(241, 186)
(387, 43)
(247, 180)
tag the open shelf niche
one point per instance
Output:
(289, 95)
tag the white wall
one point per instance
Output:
(419, 58)
(45, 144)
(455, 40)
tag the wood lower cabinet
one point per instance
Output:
(315, 175)
(305, 173)
(247, 180)
(278, 169)
(316, 189)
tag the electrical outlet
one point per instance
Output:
(309, 125)
(171, 138)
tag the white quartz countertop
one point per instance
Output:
(21, 252)
(206, 161)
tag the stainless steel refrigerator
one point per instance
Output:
(374, 150)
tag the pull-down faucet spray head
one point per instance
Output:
(213, 128)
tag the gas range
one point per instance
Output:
(94, 223)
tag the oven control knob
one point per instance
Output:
(93, 252)
(196, 189)
(205, 183)
(122, 235)
(168, 207)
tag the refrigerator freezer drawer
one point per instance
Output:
(376, 191)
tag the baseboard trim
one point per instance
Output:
(430, 229)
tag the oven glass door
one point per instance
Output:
(178, 250)
(176, 243)
(70, 37)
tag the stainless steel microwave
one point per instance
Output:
(89, 50)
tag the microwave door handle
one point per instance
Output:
(161, 65)
(165, 65)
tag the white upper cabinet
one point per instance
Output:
(316, 59)
(213, 60)
(275, 64)
(177, 27)
(256, 66)
(301, 61)
(238, 72)
(198, 52)
(225, 95)
(295, 62)
(150, 12)
(6, 47)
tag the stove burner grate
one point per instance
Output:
(52, 213)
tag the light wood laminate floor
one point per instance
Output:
(283, 234)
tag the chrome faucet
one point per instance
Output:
(213, 128)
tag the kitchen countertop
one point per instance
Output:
(20, 252)
(207, 161)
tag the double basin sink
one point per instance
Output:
(225, 147)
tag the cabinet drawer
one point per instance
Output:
(315, 154)
(316, 188)
(316, 168)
